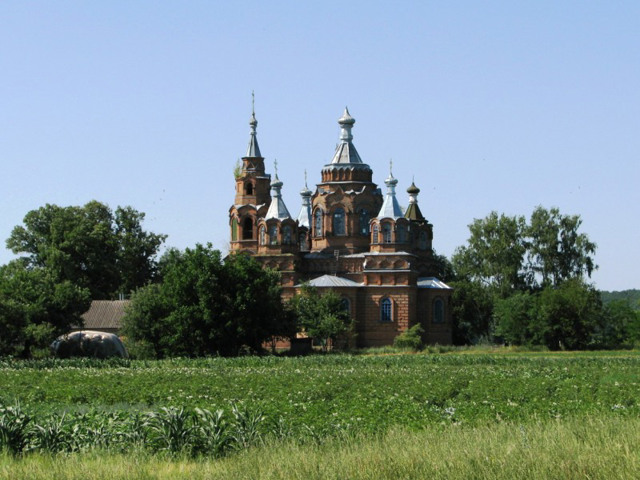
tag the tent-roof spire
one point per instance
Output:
(277, 208)
(253, 150)
(390, 207)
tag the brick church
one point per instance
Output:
(348, 237)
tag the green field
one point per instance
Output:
(483, 404)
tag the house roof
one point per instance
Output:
(104, 314)
(332, 281)
(432, 282)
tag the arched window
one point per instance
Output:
(401, 233)
(338, 221)
(247, 229)
(273, 235)
(286, 234)
(375, 234)
(345, 304)
(386, 232)
(248, 188)
(422, 245)
(363, 219)
(263, 235)
(438, 311)
(302, 240)
(386, 310)
(317, 222)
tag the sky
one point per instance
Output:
(488, 106)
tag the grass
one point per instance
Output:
(587, 448)
(462, 413)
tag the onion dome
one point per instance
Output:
(413, 190)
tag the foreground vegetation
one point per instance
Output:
(216, 406)
(590, 447)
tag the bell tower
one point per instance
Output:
(252, 197)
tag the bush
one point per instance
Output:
(410, 339)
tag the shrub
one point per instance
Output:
(410, 339)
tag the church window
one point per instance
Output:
(286, 234)
(386, 232)
(423, 240)
(273, 235)
(302, 239)
(386, 310)
(317, 222)
(249, 188)
(338, 221)
(364, 218)
(438, 311)
(345, 304)
(375, 234)
(401, 233)
(247, 229)
(263, 236)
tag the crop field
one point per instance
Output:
(220, 410)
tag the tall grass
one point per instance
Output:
(588, 448)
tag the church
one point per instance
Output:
(348, 237)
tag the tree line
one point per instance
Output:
(183, 303)
(526, 283)
(515, 281)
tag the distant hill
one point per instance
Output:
(633, 296)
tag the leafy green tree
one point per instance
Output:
(494, 256)
(35, 308)
(567, 316)
(556, 250)
(205, 305)
(89, 246)
(322, 316)
(472, 312)
(503, 275)
(619, 325)
(513, 318)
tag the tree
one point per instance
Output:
(35, 308)
(513, 318)
(321, 316)
(567, 316)
(494, 256)
(472, 312)
(89, 246)
(207, 306)
(619, 325)
(557, 252)
(505, 274)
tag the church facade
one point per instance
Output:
(348, 237)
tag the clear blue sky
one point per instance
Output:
(490, 105)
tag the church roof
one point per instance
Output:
(345, 150)
(253, 150)
(432, 282)
(413, 210)
(390, 207)
(277, 208)
(304, 217)
(331, 281)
